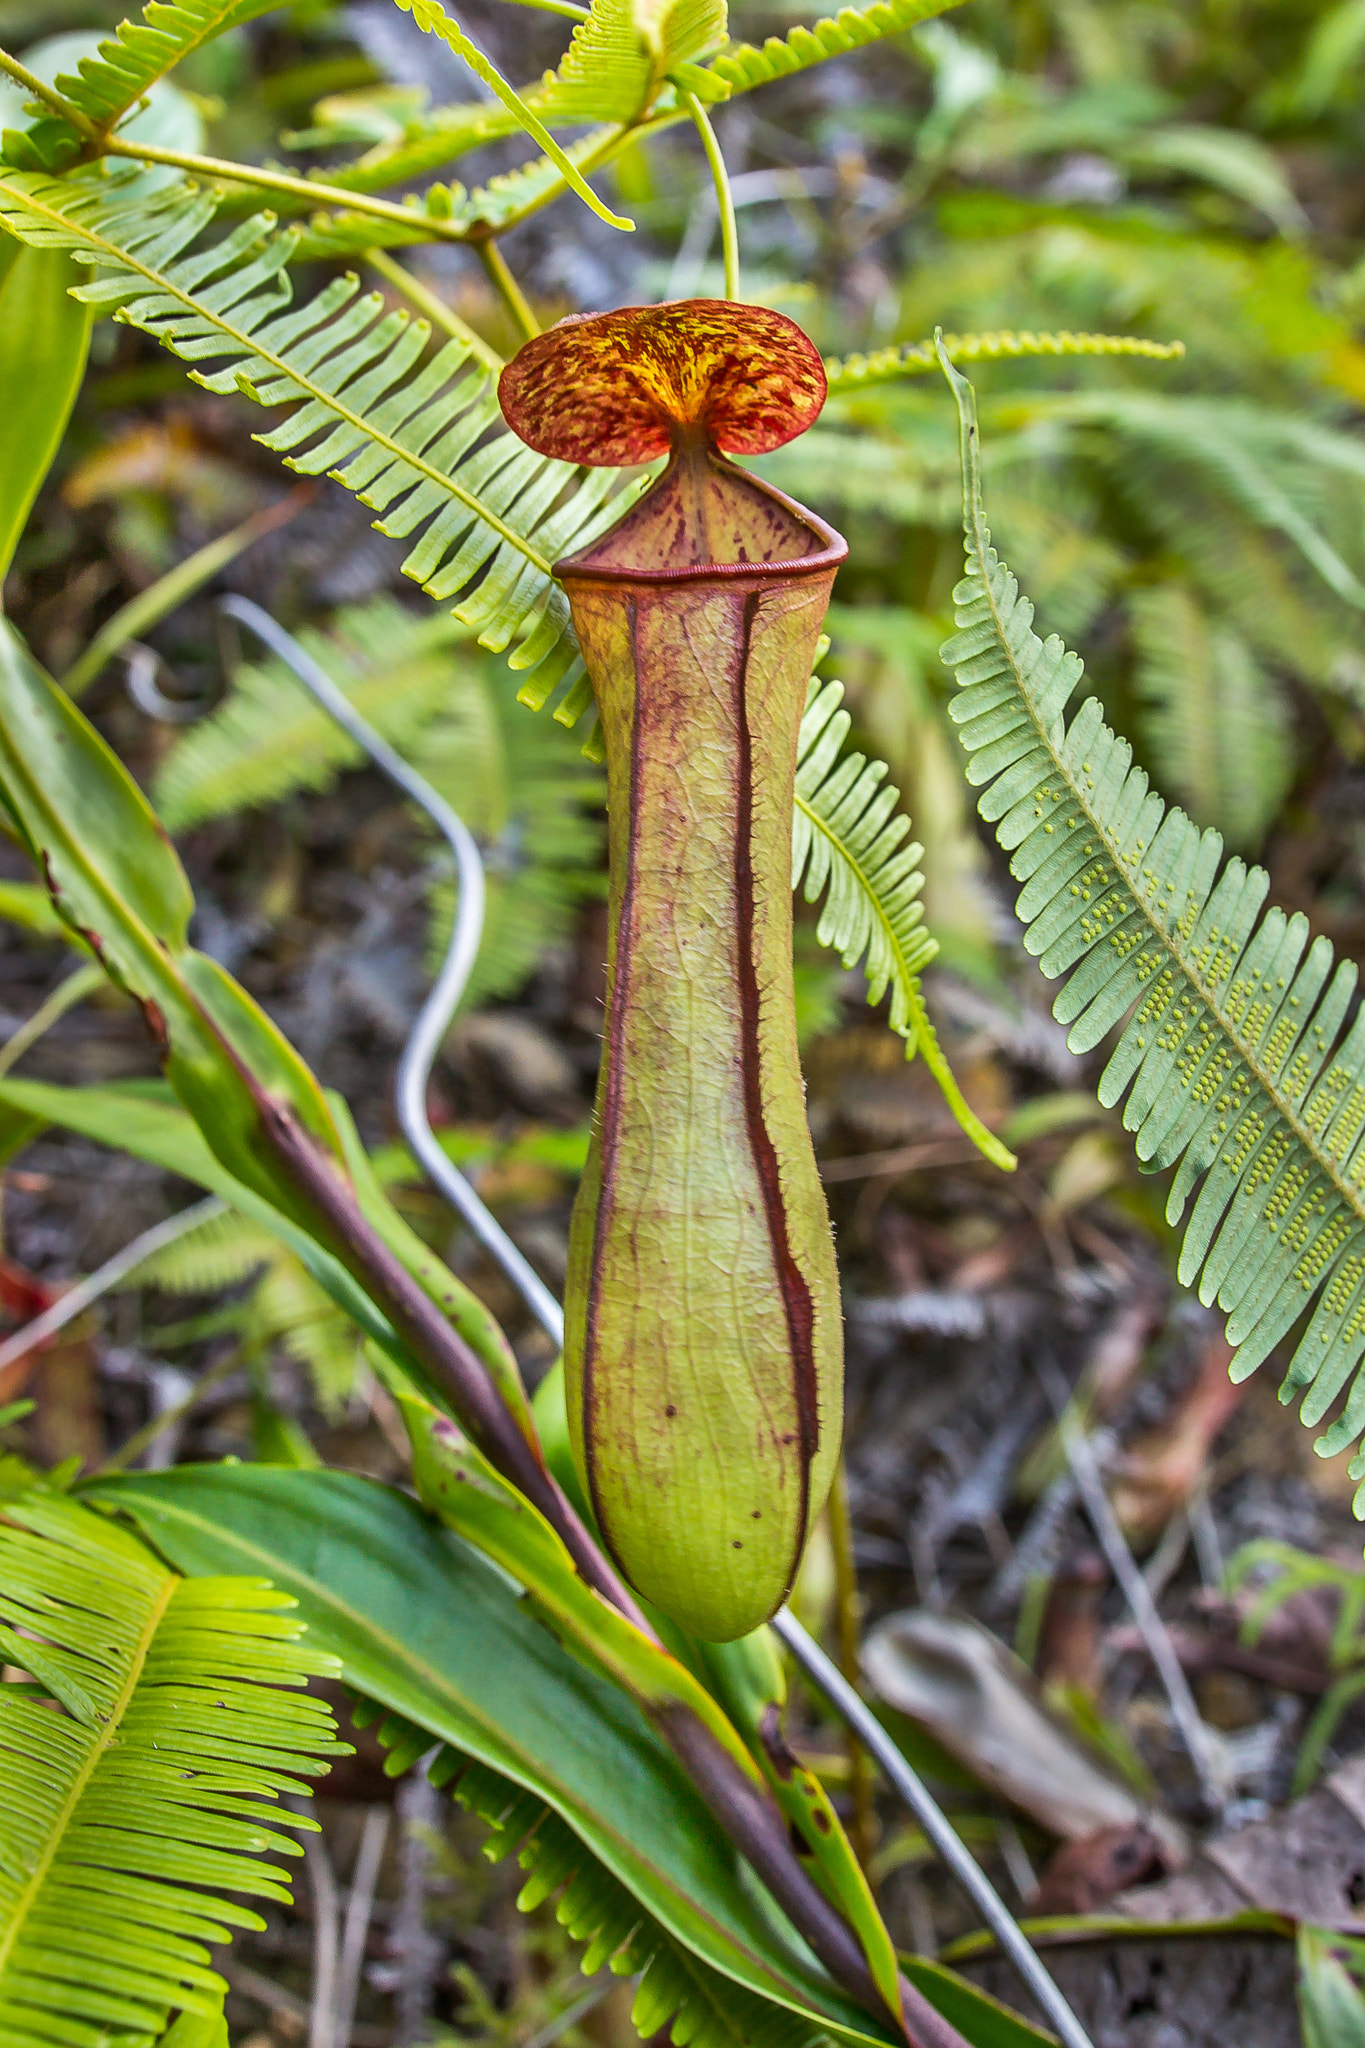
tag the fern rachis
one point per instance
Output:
(1235, 1059)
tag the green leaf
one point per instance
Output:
(25, 904)
(175, 1708)
(745, 67)
(115, 879)
(1216, 725)
(918, 358)
(1237, 1064)
(430, 15)
(432, 1631)
(44, 340)
(123, 69)
(849, 839)
(1331, 2004)
(417, 436)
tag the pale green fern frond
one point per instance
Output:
(851, 844)
(269, 737)
(745, 67)
(506, 199)
(1215, 725)
(106, 87)
(173, 1709)
(415, 434)
(677, 1993)
(432, 17)
(916, 358)
(1238, 1066)
(217, 1253)
(621, 57)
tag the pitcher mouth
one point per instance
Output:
(600, 561)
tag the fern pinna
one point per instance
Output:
(677, 1991)
(417, 436)
(1238, 1065)
(156, 1784)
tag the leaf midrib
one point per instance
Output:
(1353, 1200)
(99, 1749)
(160, 281)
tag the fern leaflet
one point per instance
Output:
(106, 87)
(745, 67)
(172, 1708)
(915, 358)
(848, 839)
(417, 436)
(1238, 1065)
(705, 2009)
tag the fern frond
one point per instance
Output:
(432, 17)
(1215, 724)
(849, 843)
(745, 67)
(417, 436)
(677, 1992)
(505, 199)
(1237, 1063)
(156, 1786)
(269, 737)
(217, 1253)
(916, 358)
(622, 55)
(106, 87)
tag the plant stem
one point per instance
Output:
(433, 308)
(63, 998)
(863, 1829)
(507, 288)
(725, 203)
(25, 77)
(424, 225)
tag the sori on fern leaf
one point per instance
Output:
(1241, 1068)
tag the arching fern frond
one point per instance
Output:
(677, 1992)
(432, 17)
(416, 435)
(106, 87)
(916, 358)
(269, 738)
(745, 67)
(143, 1767)
(850, 840)
(1237, 1062)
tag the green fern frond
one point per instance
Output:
(849, 839)
(269, 737)
(106, 87)
(505, 199)
(288, 1308)
(623, 54)
(432, 17)
(1215, 726)
(915, 358)
(1236, 1061)
(677, 1992)
(416, 435)
(174, 1712)
(745, 67)
(217, 1253)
